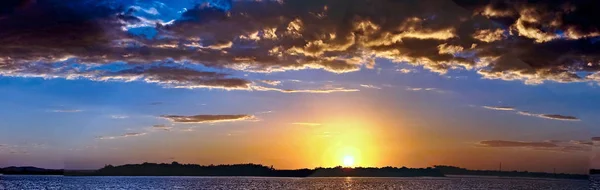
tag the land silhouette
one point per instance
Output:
(177, 169)
(28, 170)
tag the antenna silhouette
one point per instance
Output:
(500, 168)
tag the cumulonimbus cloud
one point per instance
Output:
(509, 40)
(207, 118)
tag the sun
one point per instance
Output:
(348, 161)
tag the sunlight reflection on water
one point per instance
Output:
(58, 182)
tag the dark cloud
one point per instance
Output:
(207, 118)
(501, 143)
(181, 78)
(49, 30)
(531, 41)
(550, 116)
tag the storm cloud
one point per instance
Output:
(532, 42)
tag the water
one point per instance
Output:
(59, 182)
(595, 182)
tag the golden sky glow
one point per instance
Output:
(299, 83)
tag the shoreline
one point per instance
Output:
(291, 177)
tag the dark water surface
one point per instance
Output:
(101, 183)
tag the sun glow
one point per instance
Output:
(348, 161)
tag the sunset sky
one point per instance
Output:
(300, 84)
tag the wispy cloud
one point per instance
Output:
(162, 127)
(119, 116)
(406, 71)
(550, 116)
(578, 142)
(370, 86)
(207, 118)
(264, 112)
(326, 90)
(526, 113)
(126, 135)
(503, 143)
(307, 124)
(499, 108)
(425, 89)
(556, 146)
(66, 111)
(271, 82)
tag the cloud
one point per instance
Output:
(499, 108)
(126, 135)
(66, 111)
(207, 118)
(577, 142)
(307, 124)
(526, 113)
(534, 42)
(425, 89)
(550, 116)
(406, 71)
(573, 146)
(119, 116)
(370, 86)
(502, 143)
(271, 82)
(324, 90)
(162, 127)
(264, 112)
(489, 35)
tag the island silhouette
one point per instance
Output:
(177, 169)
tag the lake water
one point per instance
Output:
(59, 182)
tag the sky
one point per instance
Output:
(300, 84)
